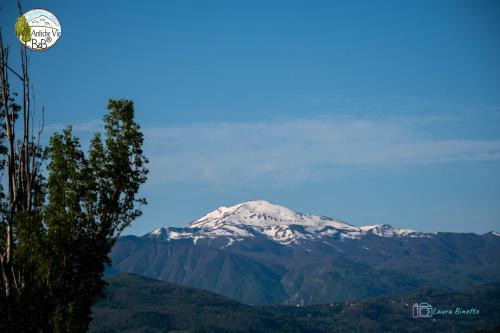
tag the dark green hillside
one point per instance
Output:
(138, 304)
(394, 314)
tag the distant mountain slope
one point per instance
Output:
(207, 268)
(260, 253)
(137, 304)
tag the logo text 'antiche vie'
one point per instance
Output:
(38, 29)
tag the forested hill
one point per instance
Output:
(137, 304)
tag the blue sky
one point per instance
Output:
(366, 111)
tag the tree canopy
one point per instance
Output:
(57, 226)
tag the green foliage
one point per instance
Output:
(80, 209)
(23, 30)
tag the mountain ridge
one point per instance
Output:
(259, 253)
(280, 224)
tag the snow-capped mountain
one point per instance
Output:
(260, 218)
(260, 253)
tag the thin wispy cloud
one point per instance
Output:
(90, 127)
(297, 150)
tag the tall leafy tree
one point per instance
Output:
(91, 199)
(57, 227)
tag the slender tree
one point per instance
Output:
(61, 209)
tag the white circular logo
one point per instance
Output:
(38, 29)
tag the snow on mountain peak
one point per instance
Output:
(253, 213)
(387, 230)
(260, 218)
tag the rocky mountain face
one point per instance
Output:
(260, 253)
